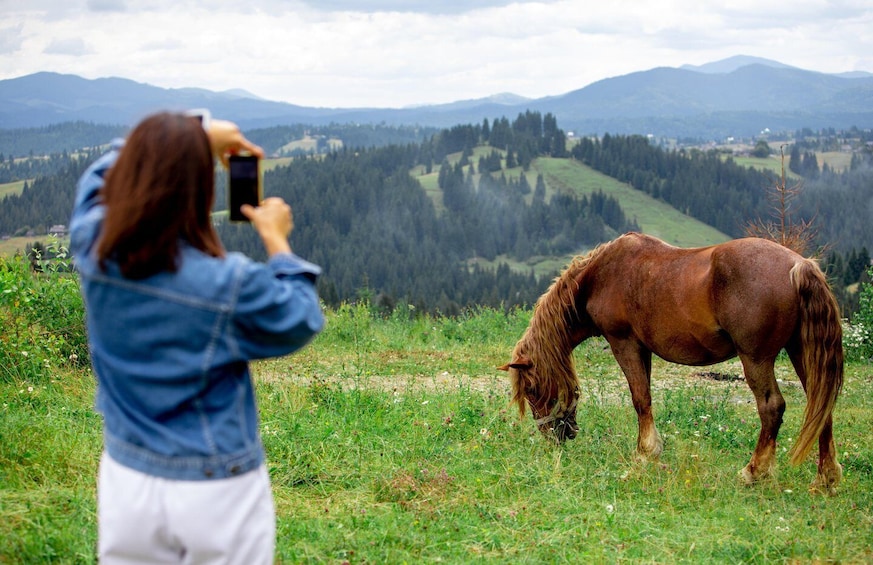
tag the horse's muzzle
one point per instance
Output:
(561, 429)
(566, 428)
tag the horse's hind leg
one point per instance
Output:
(636, 364)
(771, 406)
(830, 472)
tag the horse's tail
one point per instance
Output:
(821, 340)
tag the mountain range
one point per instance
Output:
(739, 96)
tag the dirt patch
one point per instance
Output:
(725, 377)
(716, 376)
(440, 381)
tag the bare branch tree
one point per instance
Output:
(798, 236)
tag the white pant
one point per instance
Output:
(147, 519)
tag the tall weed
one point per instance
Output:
(858, 334)
(42, 316)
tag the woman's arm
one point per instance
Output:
(87, 207)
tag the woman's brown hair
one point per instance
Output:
(159, 192)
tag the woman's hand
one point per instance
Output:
(274, 223)
(226, 139)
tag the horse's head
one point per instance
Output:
(541, 371)
(552, 402)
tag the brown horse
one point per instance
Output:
(748, 297)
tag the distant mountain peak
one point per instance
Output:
(738, 96)
(855, 74)
(502, 99)
(241, 93)
(731, 64)
(506, 98)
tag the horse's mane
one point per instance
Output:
(547, 339)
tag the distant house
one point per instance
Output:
(58, 230)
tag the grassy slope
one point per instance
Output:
(9, 247)
(653, 216)
(11, 188)
(566, 175)
(836, 160)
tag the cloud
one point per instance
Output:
(354, 53)
(415, 6)
(10, 39)
(165, 44)
(74, 47)
(107, 5)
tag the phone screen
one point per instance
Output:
(244, 185)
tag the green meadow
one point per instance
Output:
(11, 188)
(391, 440)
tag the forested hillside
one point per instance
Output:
(728, 196)
(58, 138)
(275, 140)
(363, 214)
(840, 204)
(45, 200)
(371, 225)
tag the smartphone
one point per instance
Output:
(202, 115)
(244, 186)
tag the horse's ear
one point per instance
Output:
(521, 362)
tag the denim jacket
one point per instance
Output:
(170, 352)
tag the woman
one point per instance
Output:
(172, 322)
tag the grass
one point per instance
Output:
(839, 161)
(772, 163)
(13, 245)
(653, 216)
(10, 188)
(309, 144)
(391, 441)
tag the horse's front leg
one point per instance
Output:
(636, 364)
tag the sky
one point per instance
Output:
(399, 53)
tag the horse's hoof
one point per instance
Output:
(817, 488)
(827, 479)
(746, 476)
(647, 456)
(650, 451)
(643, 458)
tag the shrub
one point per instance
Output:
(42, 316)
(858, 334)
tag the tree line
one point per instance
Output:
(369, 222)
(56, 138)
(720, 192)
(47, 200)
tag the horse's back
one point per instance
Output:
(697, 305)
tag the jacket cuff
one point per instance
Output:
(289, 264)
